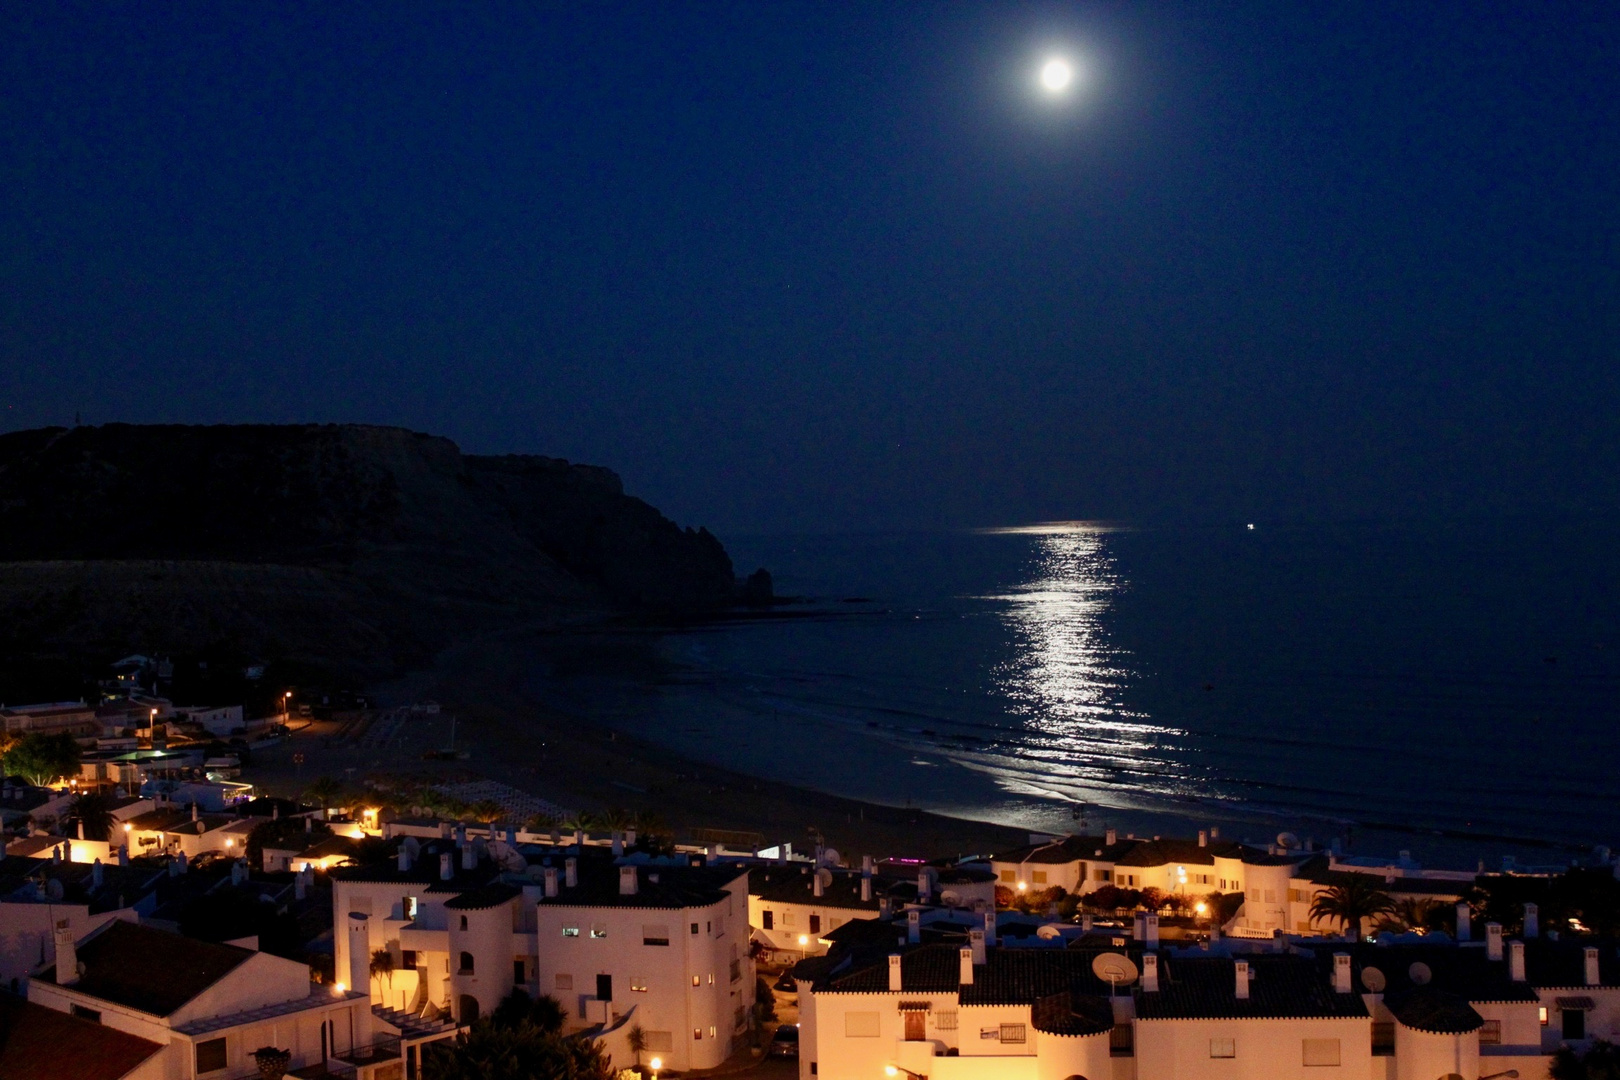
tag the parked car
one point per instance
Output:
(785, 1043)
(786, 984)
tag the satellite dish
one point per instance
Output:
(1048, 932)
(1286, 840)
(1373, 980)
(53, 889)
(825, 876)
(1114, 968)
(830, 857)
(1419, 973)
(951, 898)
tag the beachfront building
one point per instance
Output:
(791, 907)
(1409, 1009)
(621, 941)
(207, 1007)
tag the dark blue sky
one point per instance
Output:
(834, 265)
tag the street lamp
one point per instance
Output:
(656, 1064)
(895, 1070)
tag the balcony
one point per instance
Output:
(383, 1048)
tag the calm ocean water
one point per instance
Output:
(1457, 679)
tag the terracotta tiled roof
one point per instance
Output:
(37, 1043)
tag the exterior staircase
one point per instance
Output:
(413, 1025)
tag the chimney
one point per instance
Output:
(1493, 941)
(894, 973)
(815, 885)
(1150, 922)
(1139, 926)
(1203, 838)
(965, 966)
(1592, 976)
(618, 843)
(579, 837)
(447, 867)
(1516, 961)
(238, 873)
(300, 886)
(404, 859)
(925, 886)
(81, 830)
(866, 864)
(309, 821)
(123, 854)
(67, 957)
(195, 813)
(866, 888)
(360, 971)
(990, 928)
(96, 874)
(629, 881)
(1242, 987)
(1214, 930)
(1111, 837)
(1465, 927)
(629, 837)
(551, 881)
(1150, 973)
(56, 853)
(1532, 921)
(469, 857)
(571, 872)
(976, 945)
(1341, 973)
(1085, 922)
(1214, 832)
(914, 926)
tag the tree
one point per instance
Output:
(542, 822)
(324, 792)
(486, 811)
(1600, 1062)
(43, 759)
(94, 811)
(520, 1040)
(1355, 899)
(637, 1039)
(382, 966)
(1413, 913)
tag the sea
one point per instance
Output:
(1450, 689)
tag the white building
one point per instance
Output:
(791, 907)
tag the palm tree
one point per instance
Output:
(382, 966)
(638, 1042)
(486, 811)
(1354, 899)
(94, 811)
(580, 821)
(324, 792)
(542, 822)
(617, 819)
(1411, 913)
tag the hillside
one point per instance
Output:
(356, 550)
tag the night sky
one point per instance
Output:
(842, 265)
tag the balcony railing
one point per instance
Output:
(383, 1048)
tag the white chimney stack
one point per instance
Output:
(447, 867)
(866, 888)
(1532, 921)
(866, 864)
(81, 830)
(1592, 976)
(925, 887)
(551, 881)
(914, 926)
(1493, 941)
(1341, 973)
(404, 859)
(629, 881)
(1111, 837)
(469, 857)
(1085, 922)
(96, 874)
(571, 872)
(976, 945)
(989, 928)
(1150, 973)
(1242, 987)
(1203, 838)
(300, 886)
(815, 886)
(360, 973)
(618, 843)
(67, 956)
(1516, 961)
(195, 812)
(894, 973)
(1150, 922)
(1139, 926)
(1465, 928)
(629, 837)
(965, 965)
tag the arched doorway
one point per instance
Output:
(467, 1010)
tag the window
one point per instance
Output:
(697, 1034)
(697, 980)
(638, 984)
(767, 919)
(570, 931)
(655, 934)
(211, 1055)
(92, 1015)
(466, 963)
(1102, 875)
(1009, 876)
(1012, 1033)
(1223, 1048)
(711, 1031)
(1223, 884)
(604, 988)
(1574, 1023)
(945, 1021)
(407, 958)
(517, 971)
(708, 927)
(564, 981)
(785, 921)
(464, 922)
(1383, 1038)
(1271, 896)
(862, 1025)
(812, 1068)
(1038, 877)
(659, 1042)
(1544, 1016)
(1491, 1033)
(815, 924)
(711, 978)
(599, 930)
(1324, 1052)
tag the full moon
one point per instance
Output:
(1056, 75)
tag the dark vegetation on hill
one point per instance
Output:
(350, 550)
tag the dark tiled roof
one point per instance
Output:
(160, 820)
(966, 875)
(1069, 849)
(37, 1043)
(866, 932)
(676, 887)
(1460, 970)
(1018, 976)
(1073, 1014)
(1279, 986)
(487, 896)
(1562, 964)
(150, 970)
(1429, 1009)
(333, 845)
(790, 885)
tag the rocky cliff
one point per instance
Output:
(355, 549)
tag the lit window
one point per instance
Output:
(1544, 1016)
(410, 907)
(1009, 876)
(697, 980)
(599, 930)
(638, 984)
(1038, 877)
(1012, 1033)
(711, 1031)
(1223, 1048)
(570, 931)
(697, 1033)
